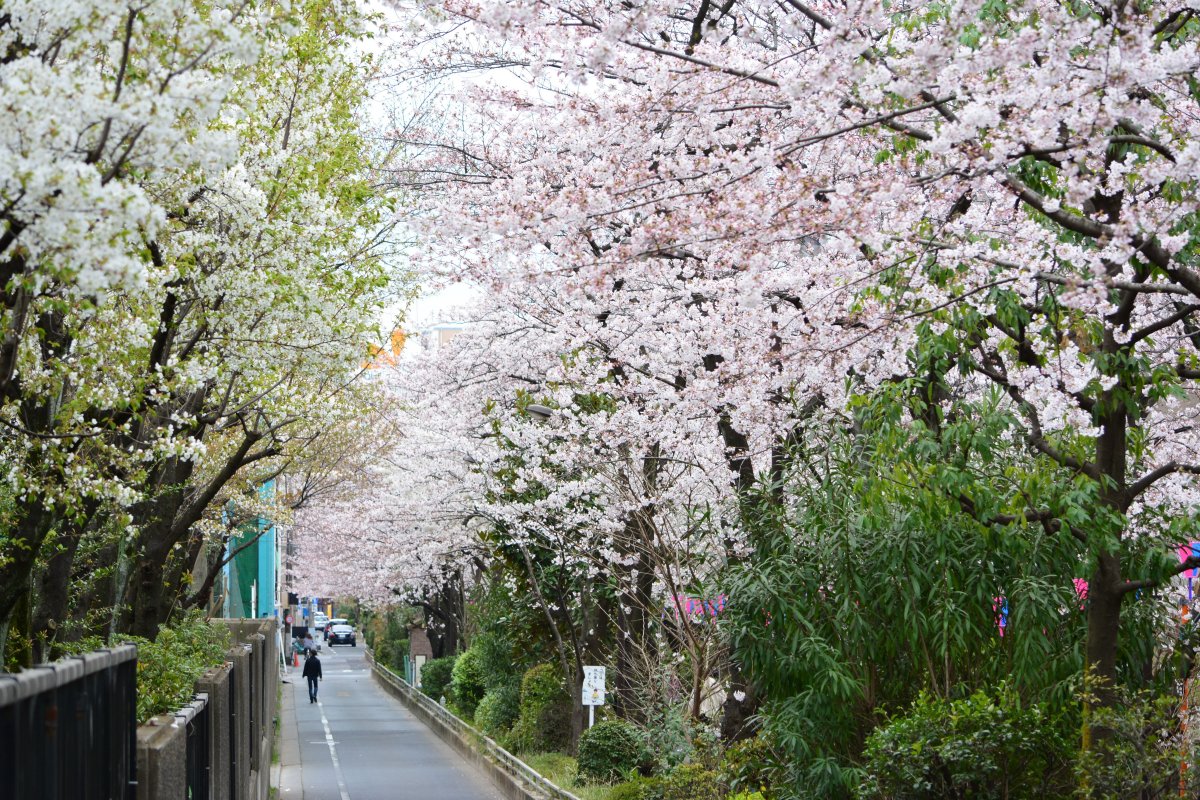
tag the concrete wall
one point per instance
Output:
(241, 699)
(215, 683)
(162, 760)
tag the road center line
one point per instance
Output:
(337, 767)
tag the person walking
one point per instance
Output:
(312, 671)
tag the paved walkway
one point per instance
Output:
(360, 743)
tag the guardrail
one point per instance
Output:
(506, 760)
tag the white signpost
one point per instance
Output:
(593, 691)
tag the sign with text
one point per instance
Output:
(593, 686)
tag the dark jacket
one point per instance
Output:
(312, 667)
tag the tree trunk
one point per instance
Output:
(54, 597)
(737, 718)
(16, 572)
(21, 652)
(636, 651)
(1104, 598)
(578, 712)
(148, 583)
(1105, 590)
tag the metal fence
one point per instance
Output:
(511, 764)
(196, 716)
(69, 729)
(234, 767)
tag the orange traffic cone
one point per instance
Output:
(295, 659)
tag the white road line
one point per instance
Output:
(337, 767)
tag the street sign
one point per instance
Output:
(593, 686)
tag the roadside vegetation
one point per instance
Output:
(169, 665)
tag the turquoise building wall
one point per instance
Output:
(255, 565)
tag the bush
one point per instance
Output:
(1142, 753)
(498, 710)
(393, 628)
(436, 676)
(496, 658)
(383, 653)
(693, 782)
(544, 720)
(167, 668)
(466, 682)
(976, 747)
(609, 751)
(638, 789)
(672, 742)
(749, 765)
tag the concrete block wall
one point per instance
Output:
(215, 683)
(161, 759)
(259, 691)
(241, 699)
(242, 747)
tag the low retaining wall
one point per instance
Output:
(162, 759)
(215, 684)
(514, 778)
(219, 746)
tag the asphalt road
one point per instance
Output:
(360, 743)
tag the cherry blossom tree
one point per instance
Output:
(89, 141)
(756, 210)
(181, 319)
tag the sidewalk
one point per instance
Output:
(287, 776)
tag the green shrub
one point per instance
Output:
(609, 751)
(749, 765)
(383, 653)
(1141, 755)
(436, 676)
(672, 742)
(693, 782)
(496, 657)
(975, 747)
(169, 666)
(393, 628)
(498, 710)
(466, 682)
(638, 789)
(544, 719)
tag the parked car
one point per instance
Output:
(320, 620)
(329, 625)
(341, 634)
